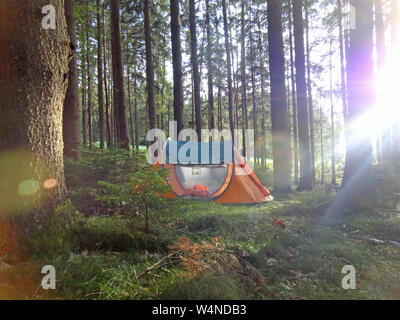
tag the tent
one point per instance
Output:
(211, 172)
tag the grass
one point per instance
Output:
(290, 248)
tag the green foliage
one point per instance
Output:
(59, 235)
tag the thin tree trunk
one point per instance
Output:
(177, 64)
(210, 70)
(89, 81)
(149, 66)
(243, 79)
(343, 71)
(253, 86)
(135, 110)
(263, 95)
(130, 101)
(100, 94)
(228, 62)
(294, 114)
(107, 106)
(322, 146)
(195, 67)
(310, 98)
(71, 126)
(333, 158)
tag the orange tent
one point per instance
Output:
(223, 181)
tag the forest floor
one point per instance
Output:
(291, 248)
(286, 249)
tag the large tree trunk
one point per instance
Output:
(100, 94)
(228, 62)
(118, 79)
(357, 180)
(33, 84)
(294, 113)
(279, 116)
(209, 70)
(195, 67)
(177, 63)
(71, 125)
(304, 133)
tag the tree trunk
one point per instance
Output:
(100, 94)
(243, 79)
(118, 79)
(107, 106)
(310, 98)
(279, 116)
(195, 67)
(71, 126)
(304, 135)
(33, 84)
(263, 102)
(228, 63)
(357, 180)
(89, 80)
(322, 146)
(253, 87)
(333, 156)
(135, 110)
(210, 70)
(177, 63)
(294, 114)
(342, 70)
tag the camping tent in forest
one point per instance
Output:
(212, 171)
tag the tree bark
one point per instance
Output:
(195, 67)
(210, 70)
(333, 152)
(279, 116)
(100, 94)
(89, 80)
(304, 133)
(177, 63)
(294, 113)
(243, 79)
(228, 63)
(107, 106)
(310, 98)
(71, 125)
(118, 79)
(33, 84)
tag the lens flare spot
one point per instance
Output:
(28, 188)
(50, 184)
